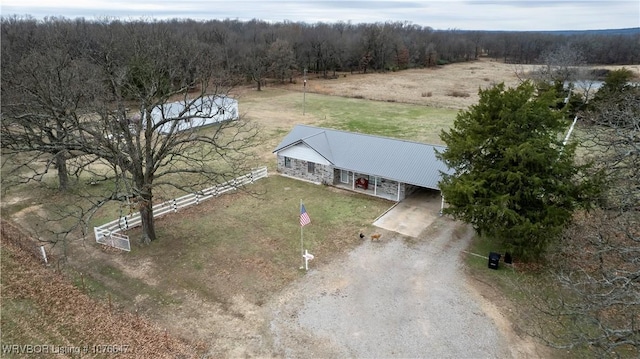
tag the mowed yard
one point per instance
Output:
(243, 243)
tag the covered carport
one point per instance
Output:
(414, 214)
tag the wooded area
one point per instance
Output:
(280, 50)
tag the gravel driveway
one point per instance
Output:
(398, 297)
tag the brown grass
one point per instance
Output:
(44, 306)
(410, 86)
(456, 93)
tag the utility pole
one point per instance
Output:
(304, 96)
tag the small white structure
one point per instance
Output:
(187, 114)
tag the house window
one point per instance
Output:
(311, 167)
(287, 162)
(344, 176)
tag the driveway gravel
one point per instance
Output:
(400, 297)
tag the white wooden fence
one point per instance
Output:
(108, 233)
(112, 239)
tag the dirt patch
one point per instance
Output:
(520, 346)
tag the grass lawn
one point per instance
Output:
(410, 122)
(276, 111)
(43, 312)
(237, 244)
(391, 119)
(248, 244)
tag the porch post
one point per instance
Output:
(441, 203)
(375, 185)
(398, 195)
(353, 182)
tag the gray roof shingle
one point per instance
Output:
(400, 160)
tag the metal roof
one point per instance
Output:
(400, 160)
(190, 113)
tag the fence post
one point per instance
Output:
(44, 255)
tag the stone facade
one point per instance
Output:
(388, 188)
(300, 169)
(326, 174)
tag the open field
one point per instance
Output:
(453, 86)
(217, 266)
(276, 110)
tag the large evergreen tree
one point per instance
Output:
(514, 180)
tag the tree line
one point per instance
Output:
(280, 50)
(68, 86)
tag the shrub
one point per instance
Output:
(427, 94)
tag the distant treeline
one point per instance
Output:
(258, 49)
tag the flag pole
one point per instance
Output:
(301, 240)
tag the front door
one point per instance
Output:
(344, 176)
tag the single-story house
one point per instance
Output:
(186, 114)
(379, 166)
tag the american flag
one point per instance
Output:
(304, 216)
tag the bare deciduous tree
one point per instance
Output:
(171, 81)
(44, 92)
(281, 60)
(595, 301)
(115, 100)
